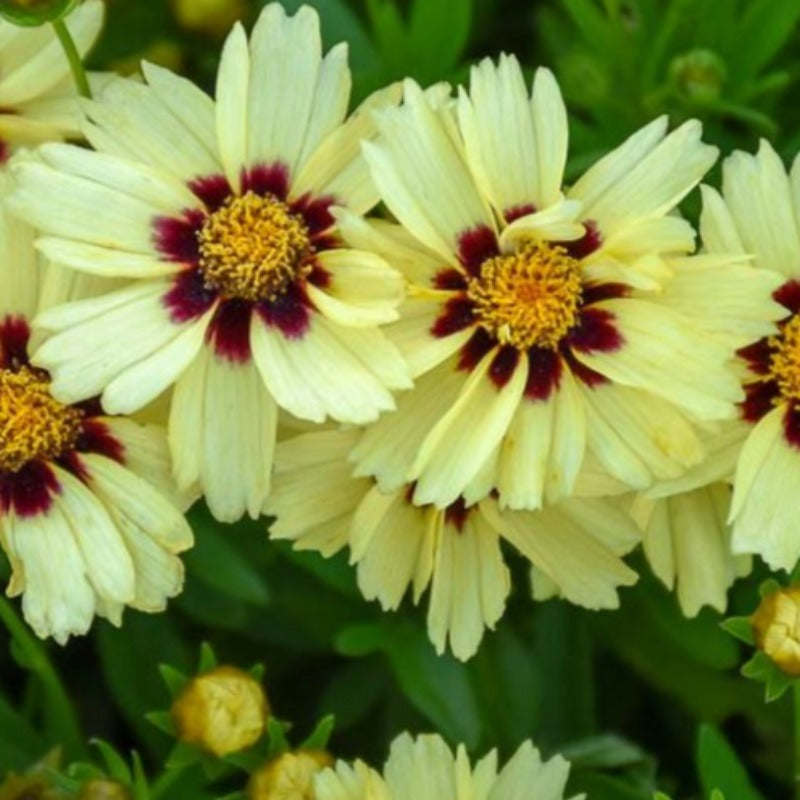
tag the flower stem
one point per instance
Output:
(58, 709)
(796, 751)
(74, 58)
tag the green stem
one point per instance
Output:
(165, 781)
(796, 751)
(58, 708)
(74, 58)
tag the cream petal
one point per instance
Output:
(477, 422)
(422, 176)
(233, 88)
(389, 446)
(237, 440)
(717, 228)
(187, 416)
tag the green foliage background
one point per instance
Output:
(638, 699)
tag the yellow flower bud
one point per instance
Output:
(776, 625)
(102, 789)
(289, 776)
(222, 711)
(26, 787)
(213, 17)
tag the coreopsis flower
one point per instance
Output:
(87, 518)
(219, 212)
(776, 626)
(456, 550)
(38, 99)
(289, 776)
(222, 711)
(546, 322)
(758, 214)
(425, 768)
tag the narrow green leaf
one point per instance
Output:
(115, 763)
(740, 628)
(720, 767)
(318, 738)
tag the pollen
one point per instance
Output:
(785, 362)
(32, 423)
(253, 248)
(529, 298)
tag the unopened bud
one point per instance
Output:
(32, 13)
(222, 711)
(776, 625)
(103, 789)
(212, 17)
(289, 776)
(699, 75)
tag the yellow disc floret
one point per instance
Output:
(253, 247)
(32, 423)
(785, 362)
(529, 298)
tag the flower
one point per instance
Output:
(542, 324)
(38, 99)
(455, 551)
(776, 625)
(426, 769)
(290, 776)
(86, 515)
(223, 711)
(758, 214)
(221, 214)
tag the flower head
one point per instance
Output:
(242, 292)
(398, 544)
(547, 322)
(427, 769)
(87, 505)
(223, 711)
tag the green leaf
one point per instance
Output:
(216, 561)
(775, 21)
(33, 13)
(276, 732)
(115, 763)
(740, 628)
(162, 720)
(175, 680)
(318, 738)
(606, 751)
(720, 767)
(438, 32)
(208, 659)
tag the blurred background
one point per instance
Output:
(637, 698)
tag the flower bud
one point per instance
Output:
(212, 17)
(699, 75)
(289, 776)
(222, 711)
(103, 789)
(32, 13)
(776, 626)
(27, 787)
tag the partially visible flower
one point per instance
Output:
(456, 551)
(687, 543)
(103, 789)
(213, 17)
(544, 322)
(776, 625)
(758, 215)
(289, 776)
(222, 711)
(425, 768)
(88, 514)
(38, 99)
(242, 294)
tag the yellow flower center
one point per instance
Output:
(784, 365)
(253, 247)
(32, 423)
(530, 297)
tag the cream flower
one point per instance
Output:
(426, 769)
(758, 214)
(38, 98)
(221, 214)
(544, 324)
(455, 551)
(85, 517)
